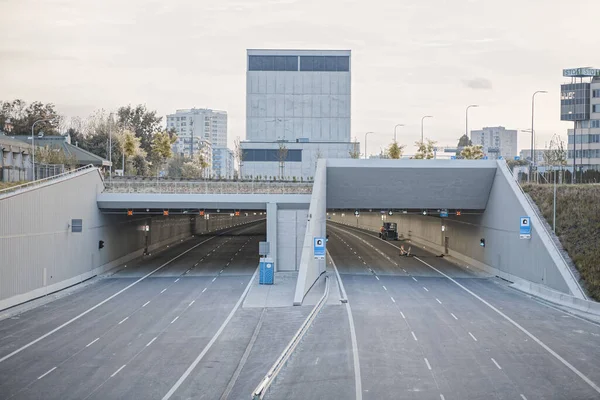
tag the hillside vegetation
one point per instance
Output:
(577, 226)
(5, 185)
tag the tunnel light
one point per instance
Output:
(424, 212)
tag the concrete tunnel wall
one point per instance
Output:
(504, 254)
(39, 254)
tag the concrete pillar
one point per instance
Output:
(272, 231)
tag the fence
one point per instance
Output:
(207, 187)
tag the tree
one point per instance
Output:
(238, 154)
(394, 150)
(425, 150)
(23, 115)
(142, 122)
(130, 147)
(50, 155)
(463, 142)
(161, 149)
(282, 153)
(355, 152)
(193, 168)
(556, 155)
(472, 152)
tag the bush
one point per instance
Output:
(577, 226)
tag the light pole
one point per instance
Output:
(366, 144)
(33, 143)
(422, 119)
(467, 118)
(531, 166)
(110, 146)
(395, 130)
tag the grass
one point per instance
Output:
(577, 226)
(6, 185)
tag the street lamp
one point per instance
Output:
(422, 119)
(467, 118)
(532, 130)
(395, 130)
(366, 144)
(33, 143)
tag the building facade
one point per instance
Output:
(300, 100)
(223, 163)
(15, 160)
(580, 103)
(496, 142)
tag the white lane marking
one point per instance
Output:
(401, 313)
(58, 328)
(146, 303)
(415, 279)
(497, 365)
(442, 397)
(376, 277)
(438, 300)
(195, 265)
(523, 397)
(425, 289)
(227, 265)
(525, 331)
(176, 318)
(214, 279)
(384, 288)
(117, 371)
(162, 291)
(212, 341)
(92, 342)
(392, 299)
(427, 362)
(123, 320)
(454, 316)
(150, 342)
(474, 338)
(414, 337)
(176, 280)
(221, 271)
(404, 270)
(193, 301)
(203, 290)
(43, 375)
(364, 263)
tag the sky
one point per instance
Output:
(410, 58)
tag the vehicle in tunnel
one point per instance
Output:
(389, 231)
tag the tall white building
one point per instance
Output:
(223, 163)
(496, 142)
(297, 111)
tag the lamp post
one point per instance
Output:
(110, 146)
(366, 144)
(467, 118)
(422, 119)
(531, 166)
(33, 143)
(395, 130)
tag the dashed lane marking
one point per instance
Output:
(428, 365)
(92, 342)
(414, 337)
(43, 375)
(146, 303)
(497, 365)
(117, 371)
(150, 342)
(474, 338)
(123, 320)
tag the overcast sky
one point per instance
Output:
(409, 57)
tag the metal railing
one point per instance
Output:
(207, 187)
(41, 182)
(550, 234)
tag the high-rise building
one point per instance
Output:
(199, 130)
(580, 103)
(222, 163)
(496, 142)
(297, 111)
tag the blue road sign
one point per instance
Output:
(525, 228)
(517, 158)
(319, 248)
(500, 158)
(453, 157)
(485, 157)
(444, 213)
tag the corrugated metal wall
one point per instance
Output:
(38, 249)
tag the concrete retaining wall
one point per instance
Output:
(39, 254)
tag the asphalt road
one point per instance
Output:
(138, 344)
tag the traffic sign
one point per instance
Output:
(165, 212)
(500, 158)
(319, 248)
(356, 213)
(453, 157)
(525, 228)
(444, 213)
(485, 157)
(129, 212)
(390, 213)
(458, 213)
(517, 158)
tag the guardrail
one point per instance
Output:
(40, 182)
(550, 235)
(264, 385)
(207, 187)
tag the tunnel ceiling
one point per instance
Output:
(409, 184)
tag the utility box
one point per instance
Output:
(266, 271)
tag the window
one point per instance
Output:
(258, 155)
(273, 63)
(596, 108)
(596, 93)
(325, 63)
(595, 123)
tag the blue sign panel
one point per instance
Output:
(319, 248)
(500, 158)
(453, 157)
(444, 213)
(525, 228)
(485, 157)
(517, 158)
